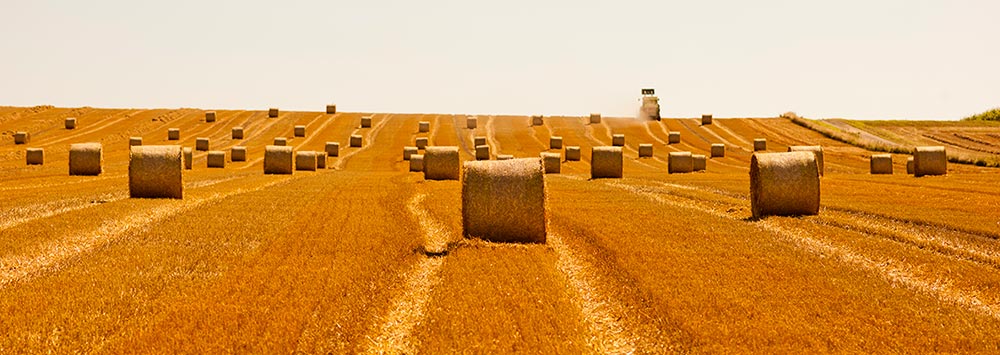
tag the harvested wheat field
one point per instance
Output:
(366, 256)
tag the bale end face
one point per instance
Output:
(555, 142)
(881, 164)
(331, 109)
(366, 122)
(71, 123)
(471, 122)
(700, 162)
(706, 120)
(408, 152)
(573, 153)
(272, 112)
(356, 141)
(300, 131)
(156, 171)
(595, 118)
(237, 132)
(34, 156)
(674, 137)
(606, 162)
(278, 159)
(320, 160)
(680, 162)
(238, 154)
(173, 134)
(759, 144)
(305, 160)
(210, 116)
(909, 165)
(332, 149)
(188, 158)
(537, 120)
(718, 150)
(441, 163)
(504, 201)
(645, 150)
(618, 140)
(478, 141)
(86, 159)
(818, 150)
(22, 137)
(930, 161)
(280, 141)
(784, 184)
(216, 159)
(423, 127)
(417, 162)
(421, 142)
(201, 144)
(551, 162)
(482, 152)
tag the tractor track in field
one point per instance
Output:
(716, 135)
(367, 141)
(743, 141)
(491, 136)
(708, 157)
(271, 122)
(626, 148)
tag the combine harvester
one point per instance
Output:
(650, 105)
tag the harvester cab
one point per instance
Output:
(650, 105)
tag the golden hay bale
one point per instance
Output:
(22, 137)
(331, 109)
(881, 164)
(156, 171)
(706, 120)
(909, 165)
(504, 201)
(699, 162)
(366, 121)
(595, 118)
(173, 134)
(70, 122)
(645, 150)
(409, 151)
(818, 150)
(210, 116)
(504, 157)
(618, 140)
(759, 144)
(605, 162)
(216, 159)
(34, 156)
(555, 142)
(930, 161)
(674, 137)
(300, 131)
(237, 132)
(188, 158)
(272, 112)
(332, 149)
(320, 160)
(536, 120)
(442, 163)
(478, 141)
(471, 122)
(278, 159)
(86, 159)
(305, 160)
(784, 184)
(355, 140)
(280, 141)
(552, 162)
(201, 144)
(133, 141)
(424, 126)
(680, 162)
(417, 162)
(718, 150)
(573, 153)
(482, 152)
(238, 154)
(421, 142)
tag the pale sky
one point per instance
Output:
(866, 59)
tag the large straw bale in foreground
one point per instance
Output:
(706, 120)
(909, 165)
(699, 162)
(680, 162)
(595, 118)
(618, 140)
(417, 162)
(70, 123)
(673, 137)
(332, 149)
(504, 201)
(216, 159)
(423, 126)
(818, 150)
(409, 151)
(86, 159)
(573, 153)
(22, 137)
(356, 141)
(718, 150)
(784, 184)
(34, 156)
(759, 144)
(299, 131)
(188, 158)
(930, 161)
(201, 144)
(555, 142)
(237, 132)
(552, 162)
(156, 171)
(482, 152)
(238, 154)
(478, 141)
(471, 122)
(210, 116)
(420, 142)
(278, 159)
(442, 163)
(881, 164)
(605, 162)
(305, 160)
(173, 134)
(645, 150)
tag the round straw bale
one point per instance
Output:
(504, 157)
(504, 201)
(70, 122)
(784, 184)
(280, 141)
(173, 134)
(759, 144)
(86, 159)
(237, 132)
(618, 140)
(300, 131)
(305, 160)
(552, 162)
(201, 144)
(605, 162)
(482, 152)
(441, 163)
(272, 112)
(238, 154)
(699, 161)
(881, 164)
(706, 120)
(355, 140)
(331, 109)
(366, 121)
(417, 162)
(320, 160)
(555, 142)
(930, 161)
(278, 159)
(478, 141)
(471, 122)
(216, 159)
(909, 165)
(645, 150)
(22, 137)
(133, 141)
(421, 142)
(536, 120)
(156, 171)
(34, 156)
(188, 158)
(680, 162)
(595, 118)
(573, 153)
(818, 150)
(424, 126)
(409, 151)
(674, 137)
(332, 149)
(718, 150)
(210, 116)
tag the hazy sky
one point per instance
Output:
(850, 58)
